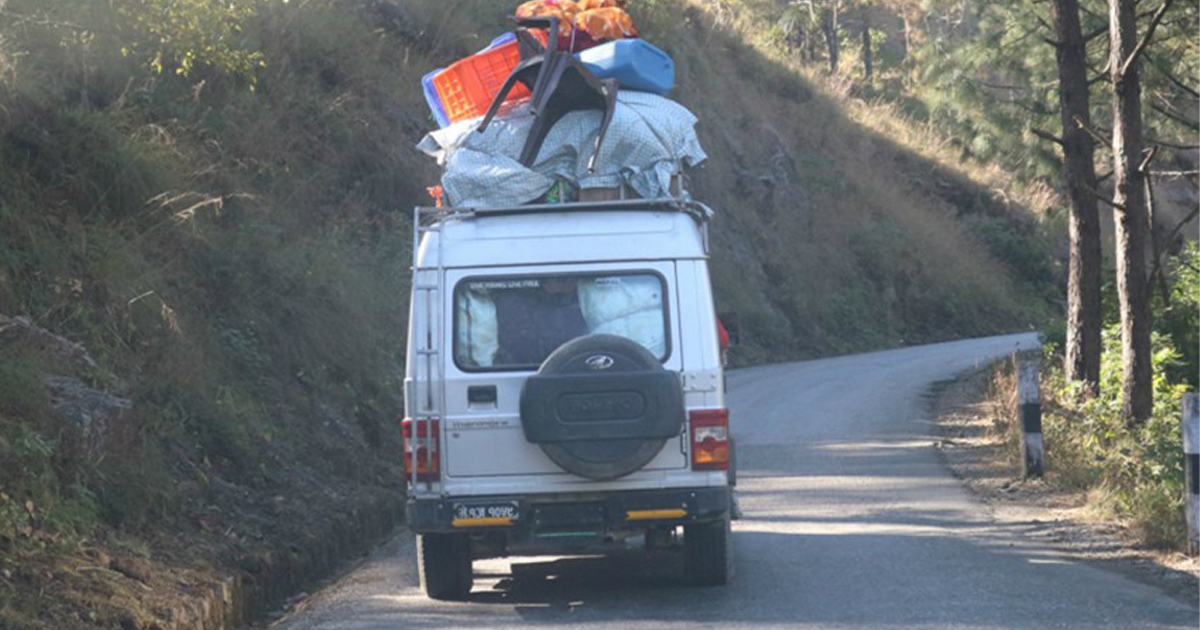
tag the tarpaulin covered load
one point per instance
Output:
(650, 139)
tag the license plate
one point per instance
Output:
(474, 512)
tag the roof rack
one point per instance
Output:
(429, 218)
(701, 212)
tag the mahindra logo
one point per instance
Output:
(599, 361)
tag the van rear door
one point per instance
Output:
(504, 322)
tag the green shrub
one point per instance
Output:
(39, 505)
(1023, 253)
(1135, 472)
(1178, 316)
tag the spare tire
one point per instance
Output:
(601, 406)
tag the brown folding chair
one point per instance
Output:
(559, 84)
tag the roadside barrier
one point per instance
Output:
(1030, 399)
(1191, 467)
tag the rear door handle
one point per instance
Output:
(481, 394)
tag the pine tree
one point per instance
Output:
(1084, 318)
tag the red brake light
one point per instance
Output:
(710, 438)
(426, 448)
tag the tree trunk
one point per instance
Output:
(1082, 361)
(1130, 198)
(829, 25)
(868, 68)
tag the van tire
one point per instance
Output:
(707, 560)
(444, 565)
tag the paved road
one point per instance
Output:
(852, 521)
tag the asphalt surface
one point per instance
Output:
(851, 521)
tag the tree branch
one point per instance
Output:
(1000, 86)
(1093, 133)
(1094, 34)
(1188, 219)
(1093, 13)
(1174, 116)
(1157, 269)
(1172, 145)
(1172, 78)
(21, 18)
(1155, 277)
(1044, 23)
(1173, 173)
(1101, 75)
(1150, 155)
(1141, 45)
(1046, 135)
(1104, 199)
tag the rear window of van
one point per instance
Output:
(510, 323)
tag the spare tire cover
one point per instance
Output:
(601, 406)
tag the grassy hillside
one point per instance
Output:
(228, 246)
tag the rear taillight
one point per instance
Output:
(424, 447)
(710, 438)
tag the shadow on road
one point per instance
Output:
(813, 580)
(566, 582)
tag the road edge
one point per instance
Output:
(1104, 545)
(251, 599)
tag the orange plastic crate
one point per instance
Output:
(467, 87)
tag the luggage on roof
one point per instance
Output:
(537, 115)
(650, 140)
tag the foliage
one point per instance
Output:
(1134, 472)
(1026, 254)
(1176, 313)
(187, 33)
(39, 506)
(988, 75)
(799, 26)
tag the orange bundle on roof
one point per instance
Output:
(584, 23)
(588, 5)
(564, 10)
(606, 23)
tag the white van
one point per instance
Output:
(564, 390)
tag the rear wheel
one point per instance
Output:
(444, 565)
(707, 560)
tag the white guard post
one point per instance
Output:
(1030, 400)
(1191, 467)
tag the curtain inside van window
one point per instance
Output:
(503, 323)
(628, 306)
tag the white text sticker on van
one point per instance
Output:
(468, 424)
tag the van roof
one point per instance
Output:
(547, 237)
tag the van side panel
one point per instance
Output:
(702, 372)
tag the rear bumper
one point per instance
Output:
(599, 512)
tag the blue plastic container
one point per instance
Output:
(635, 63)
(434, 101)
